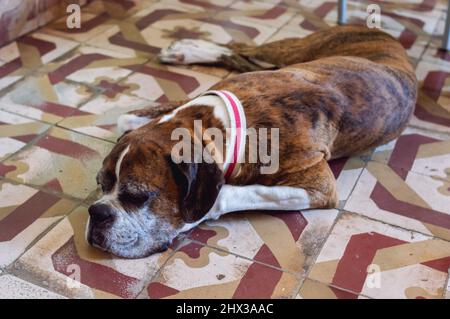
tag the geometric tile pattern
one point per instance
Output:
(433, 106)
(60, 160)
(409, 200)
(29, 52)
(312, 289)
(286, 240)
(65, 261)
(380, 261)
(162, 83)
(407, 184)
(25, 213)
(93, 66)
(12, 128)
(196, 271)
(62, 90)
(98, 117)
(45, 101)
(145, 28)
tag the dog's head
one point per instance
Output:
(147, 198)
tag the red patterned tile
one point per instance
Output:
(25, 213)
(287, 240)
(403, 198)
(381, 261)
(196, 271)
(29, 52)
(419, 151)
(61, 161)
(432, 109)
(45, 101)
(64, 260)
(312, 289)
(161, 83)
(13, 128)
(98, 117)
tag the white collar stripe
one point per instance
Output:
(238, 126)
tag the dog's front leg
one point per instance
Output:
(258, 197)
(314, 187)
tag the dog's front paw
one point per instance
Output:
(129, 122)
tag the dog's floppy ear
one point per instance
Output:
(199, 184)
(121, 136)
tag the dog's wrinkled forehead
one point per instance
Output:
(107, 176)
(134, 166)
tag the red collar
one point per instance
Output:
(238, 131)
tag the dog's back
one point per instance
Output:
(346, 88)
(372, 44)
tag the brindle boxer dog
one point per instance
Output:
(333, 93)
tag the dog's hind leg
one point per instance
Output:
(236, 56)
(357, 41)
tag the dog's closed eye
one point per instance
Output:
(106, 181)
(137, 199)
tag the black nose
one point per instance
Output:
(101, 212)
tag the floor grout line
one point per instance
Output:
(340, 288)
(319, 250)
(344, 211)
(45, 190)
(446, 293)
(40, 236)
(160, 269)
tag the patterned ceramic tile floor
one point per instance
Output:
(61, 92)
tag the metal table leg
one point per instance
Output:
(342, 12)
(446, 39)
